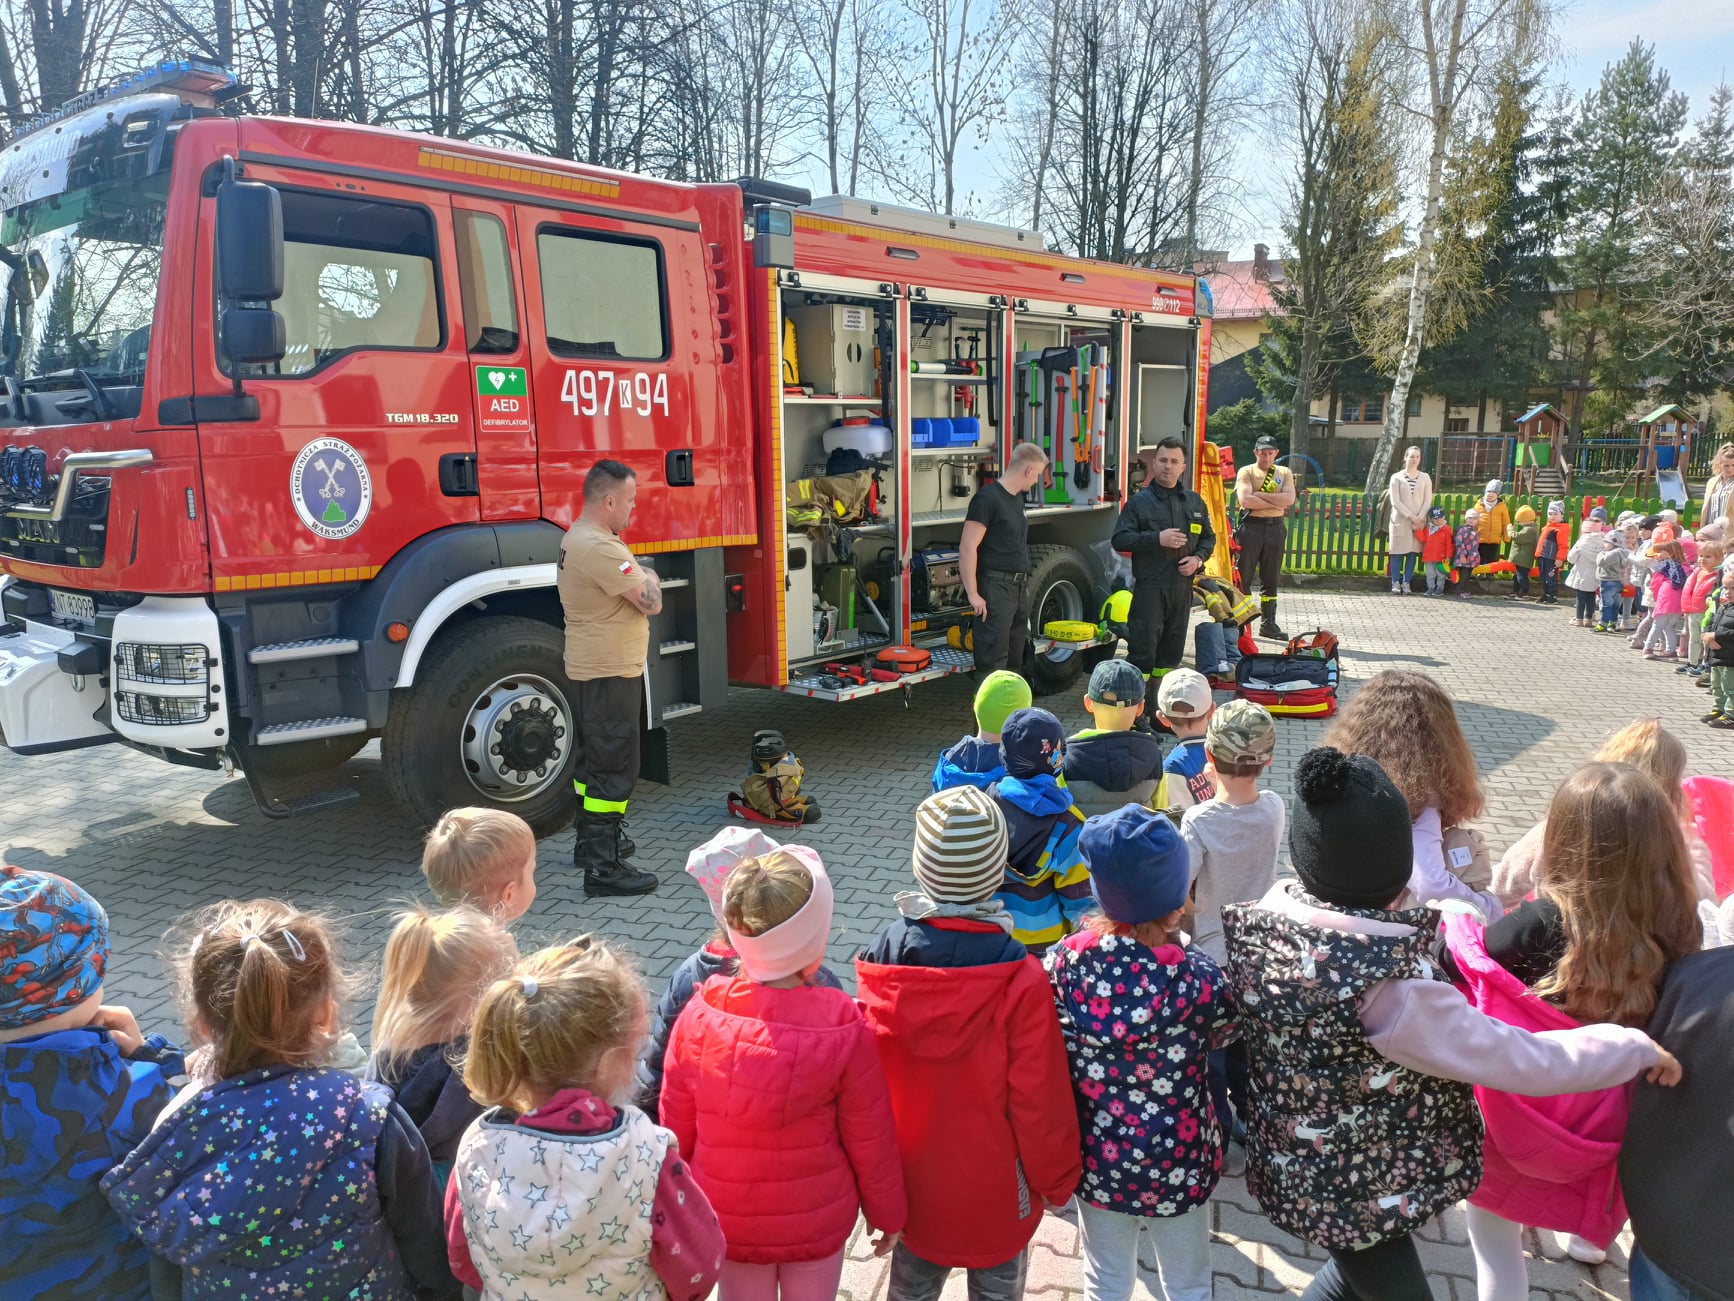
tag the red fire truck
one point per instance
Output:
(295, 414)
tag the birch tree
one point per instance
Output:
(1334, 69)
(1455, 45)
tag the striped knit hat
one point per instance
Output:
(960, 845)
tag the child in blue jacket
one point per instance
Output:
(1047, 885)
(976, 760)
(274, 1174)
(79, 1086)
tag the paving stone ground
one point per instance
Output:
(153, 841)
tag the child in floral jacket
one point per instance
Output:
(1139, 1012)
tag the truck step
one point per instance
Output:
(311, 729)
(320, 801)
(680, 709)
(312, 648)
(676, 647)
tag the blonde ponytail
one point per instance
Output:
(436, 966)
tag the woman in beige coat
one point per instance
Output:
(1411, 497)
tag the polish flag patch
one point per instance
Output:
(626, 566)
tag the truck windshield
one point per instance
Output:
(79, 279)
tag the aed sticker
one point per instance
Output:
(331, 488)
(502, 400)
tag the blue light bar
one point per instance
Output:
(191, 79)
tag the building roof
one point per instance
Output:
(1241, 289)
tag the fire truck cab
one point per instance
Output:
(293, 416)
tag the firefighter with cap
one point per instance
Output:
(1166, 529)
(608, 598)
(1263, 492)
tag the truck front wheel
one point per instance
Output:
(488, 722)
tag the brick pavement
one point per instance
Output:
(153, 841)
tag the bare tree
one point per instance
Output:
(956, 54)
(1222, 37)
(1456, 44)
(839, 43)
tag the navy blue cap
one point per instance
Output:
(1139, 867)
(1033, 743)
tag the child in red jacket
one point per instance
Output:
(773, 1087)
(1438, 545)
(971, 1046)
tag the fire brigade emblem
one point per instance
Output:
(331, 487)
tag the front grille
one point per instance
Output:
(78, 541)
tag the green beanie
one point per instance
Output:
(1000, 695)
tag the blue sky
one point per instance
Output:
(1694, 41)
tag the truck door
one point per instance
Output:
(489, 282)
(605, 368)
(364, 438)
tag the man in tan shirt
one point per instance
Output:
(608, 598)
(1263, 492)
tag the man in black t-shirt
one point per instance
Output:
(994, 561)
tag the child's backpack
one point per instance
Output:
(771, 790)
(1299, 683)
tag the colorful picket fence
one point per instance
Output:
(1340, 533)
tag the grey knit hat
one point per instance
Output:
(960, 845)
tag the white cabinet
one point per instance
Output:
(834, 348)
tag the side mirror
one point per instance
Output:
(250, 271)
(249, 241)
(252, 336)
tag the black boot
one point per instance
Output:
(626, 847)
(597, 852)
(1267, 628)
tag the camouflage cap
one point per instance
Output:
(1240, 731)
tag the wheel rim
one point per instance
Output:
(1062, 601)
(515, 738)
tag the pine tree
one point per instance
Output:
(1623, 141)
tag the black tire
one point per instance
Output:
(274, 763)
(429, 735)
(1060, 588)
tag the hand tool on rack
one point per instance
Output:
(1087, 432)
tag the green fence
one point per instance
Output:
(1339, 532)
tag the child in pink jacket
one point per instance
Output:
(1705, 578)
(1617, 884)
(773, 1087)
(1667, 582)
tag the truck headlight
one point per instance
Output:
(137, 707)
(184, 664)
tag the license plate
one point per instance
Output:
(72, 605)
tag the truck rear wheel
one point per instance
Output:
(489, 722)
(1060, 588)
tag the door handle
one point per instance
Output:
(459, 476)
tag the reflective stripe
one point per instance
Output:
(1153, 674)
(593, 805)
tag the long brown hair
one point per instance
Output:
(257, 980)
(1615, 861)
(1405, 722)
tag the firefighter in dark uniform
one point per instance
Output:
(608, 598)
(1166, 528)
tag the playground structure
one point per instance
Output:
(1664, 448)
(1540, 464)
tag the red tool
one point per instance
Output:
(849, 673)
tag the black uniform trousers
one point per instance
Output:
(609, 710)
(999, 638)
(1156, 627)
(1261, 547)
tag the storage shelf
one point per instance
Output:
(976, 453)
(938, 517)
(797, 400)
(953, 379)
